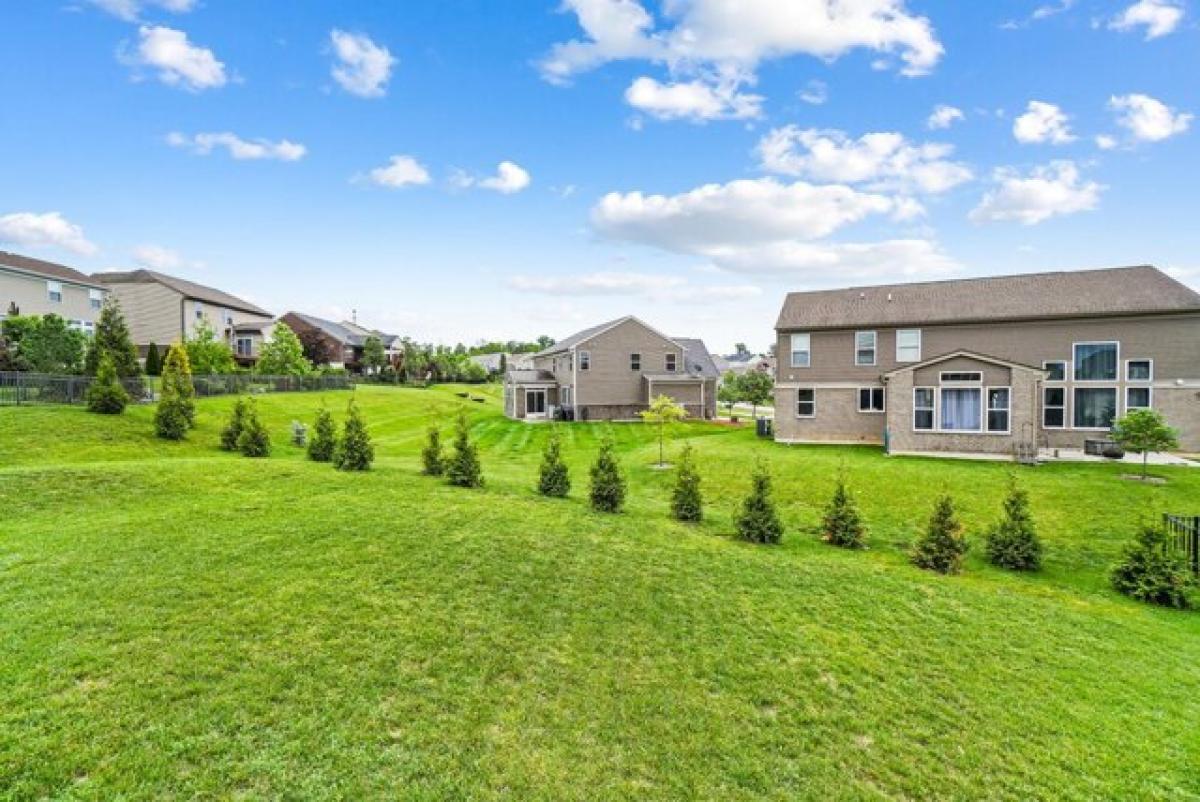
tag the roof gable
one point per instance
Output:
(962, 352)
(579, 337)
(188, 289)
(47, 270)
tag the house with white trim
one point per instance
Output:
(35, 287)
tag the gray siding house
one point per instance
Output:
(987, 364)
(610, 372)
(35, 287)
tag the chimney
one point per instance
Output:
(354, 316)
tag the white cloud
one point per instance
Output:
(1105, 142)
(656, 287)
(131, 10)
(241, 149)
(510, 178)
(363, 67)
(944, 116)
(178, 61)
(834, 262)
(1148, 119)
(885, 161)
(692, 100)
(1048, 190)
(814, 92)
(1042, 122)
(157, 257)
(400, 171)
(46, 230)
(1158, 17)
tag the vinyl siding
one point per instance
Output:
(610, 381)
(32, 297)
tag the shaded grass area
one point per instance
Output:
(176, 621)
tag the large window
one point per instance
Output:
(635, 361)
(1137, 398)
(1095, 407)
(923, 409)
(1054, 408)
(870, 399)
(801, 354)
(962, 409)
(908, 345)
(585, 360)
(864, 348)
(54, 291)
(1096, 362)
(1056, 371)
(1139, 370)
(806, 402)
(998, 400)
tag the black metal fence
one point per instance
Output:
(18, 389)
(1184, 532)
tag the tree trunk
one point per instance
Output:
(1145, 457)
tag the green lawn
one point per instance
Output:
(180, 622)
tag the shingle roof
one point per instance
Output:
(1079, 293)
(697, 359)
(50, 270)
(388, 340)
(188, 289)
(579, 336)
(529, 376)
(335, 330)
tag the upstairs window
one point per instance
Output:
(923, 409)
(806, 402)
(1139, 370)
(908, 345)
(801, 353)
(95, 299)
(671, 363)
(585, 360)
(1056, 371)
(199, 310)
(54, 292)
(870, 399)
(864, 348)
(1096, 362)
(635, 361)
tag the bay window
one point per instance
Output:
(1095, 407)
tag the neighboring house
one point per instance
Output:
(987, 364)
(344, 341)
(34, 287)
(610, 372)
(740, 364)
(163, 309)
(492, 363)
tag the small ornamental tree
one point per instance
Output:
(842, 524)
(323, 443)
(1151, 571)
(1145, 431)
(433, 463)
(463, 468)
(730, 391)
(607, 492)
(687, 503)
(283, 354)
(49, 345)
(254, 441)
(105, 394)
(233, 428)
(554, 480)
(153, 361)
(756, 389)
(354, 452)
(209, 355)
(176, 406)
(758, 522)
(374, 357)
(942, 547)
(1013, 541)
(663, 410)
(111, 337)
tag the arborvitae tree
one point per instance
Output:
(105, 394)
(842, 524)
(433, 462)
(323, 443)
(354, 452)
(236, 424)
(176, 405)
(758, 521)
(1013, 542)
(463, 469)
(111, 337)
(607, 492)
(153, 361)
(554, 479)
(687, 504)
(943, 546)
(1151, 571)
(254, 441)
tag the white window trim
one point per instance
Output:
(812, 390)
(1066, 372)
(919, 343)
(960, 382)
(54, 288)
(1139, 381)
(982, 406)
(807, 351)
(1074, 362)
(874, 349)
(986, 409)
(1095, 386)
(585, 360)
(934, 393)
(1149, 397)
(871, 410)
(1065, 407)
(635, 358)
(671, 363)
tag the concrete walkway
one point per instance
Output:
(1063, 455)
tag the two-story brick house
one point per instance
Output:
(982, 365)
(610, 372)
(35, 287)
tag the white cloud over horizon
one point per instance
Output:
(44, 230)
(1047, 191)
(363, 68)
(203, 144)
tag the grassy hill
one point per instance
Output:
(178, 621)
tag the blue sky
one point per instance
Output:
(461, 169)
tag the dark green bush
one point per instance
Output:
(554, 480)
(1151, 571)
(607, 492)
(687, 503)
(1013, 541)
(324, 440)
(463, 468)
(842, 524)
(105, 394)
(433, 463)
(758, 522)
(253, 441)
(354, 452)
(942, 547)
(235, 425)
(153, 361)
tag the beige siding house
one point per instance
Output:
(162, 309)
(610, 372)
(990, 364)
(35, 287)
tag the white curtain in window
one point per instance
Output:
(960, 409)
